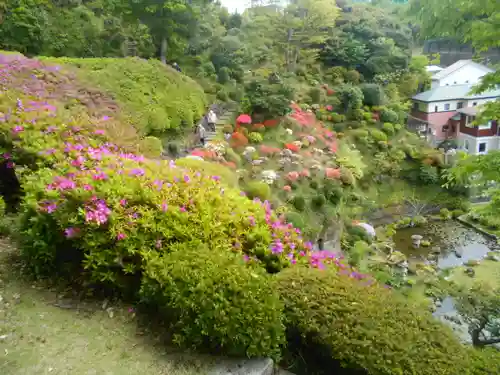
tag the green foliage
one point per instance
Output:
(388, 128)
(388, 115)
(151, 147)
(343, 321)
(258, 189)
(228, 177)
(255, 137)
(155, 96)
(317, 202)
(352, 76)
(268, 99)
(351, 97)
(378, 135)
(295, 219)
(373, 95)
(232, 156)
(223, 75)
(299, 203)
(428, 174)
(316, 95)
(213, 299)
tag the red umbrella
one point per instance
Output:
(244, 119)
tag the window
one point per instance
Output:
(468, 121)
(485, 126)
(447, 107)
(467, 81)
(460, 105)
(435, 108)
(474, 104)
(455, 82)
(482, 147)
(445, 128)
(466, 145)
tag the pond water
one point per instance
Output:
(456, 243)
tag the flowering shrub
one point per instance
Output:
(216, 300)
(292, 176)
(292, 147)
(272, 123)
(238, 140)
(332, 173)
(268, 150)
(347, 320)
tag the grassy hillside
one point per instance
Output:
(155, 98)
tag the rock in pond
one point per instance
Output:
(470, 271)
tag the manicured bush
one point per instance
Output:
(373, 94)
(318, 201)
(177, 101)
(255, 137)
(257, 189)
(151, 146)
(315, 95)
(388, 115)
(238, 139)
(299, 203)
(223, 75)
(295, 219)
(378, 135)
(388, 128)
(213, 299)
(485, 361)
(333, 192)
(335, 320)
(352, 76)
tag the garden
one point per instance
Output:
(292, 236)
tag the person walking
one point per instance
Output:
(201, 134)
(212, 120)
(176, 67)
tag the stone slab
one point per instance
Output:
(254, 366)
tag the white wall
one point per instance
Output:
(492, 143)
(468, 74)
(479, 101)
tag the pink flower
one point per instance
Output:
(123, 202)
(71, 232)
(17, 129)
(120, 236)
(287, 188)
(99, 132)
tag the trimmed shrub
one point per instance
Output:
(352, 76)
(378, 135)
(335, 321)
(318, 201)
(388, 115)
(315, 94)
(258, 189)
(388, 128)
(215, 300)
(299, 203)
(295, 219)
(238, 139)
(373, 94)
(346, 176)
(151, 146)
(223, 75)
(255, 137)
(128, 79)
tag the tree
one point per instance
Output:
(170, 22)
(480, 307)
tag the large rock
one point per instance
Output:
(255, 366)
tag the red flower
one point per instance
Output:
(330, 92)
(271, 123)
(238, 140)
(329, 108)
(244, 119)
(292, 147)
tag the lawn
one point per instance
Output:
(486, 272)
(41, 334)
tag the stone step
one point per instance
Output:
(259, 366)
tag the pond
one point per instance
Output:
(453, 242)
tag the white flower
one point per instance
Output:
(289, 131)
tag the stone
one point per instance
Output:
(436, 250)
(416, 240)
(470, 271)
(281, 371)
(254, 366)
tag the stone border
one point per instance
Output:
(463, 220)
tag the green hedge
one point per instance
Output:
(341, 321)
(216, 301)
(155, 97)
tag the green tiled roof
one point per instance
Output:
(455, 92)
